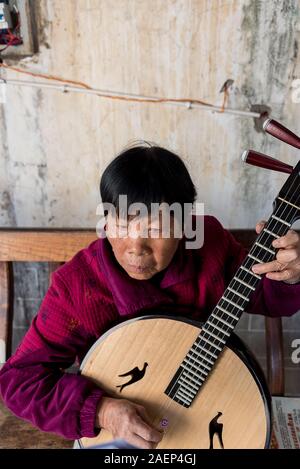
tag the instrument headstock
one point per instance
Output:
(287, 203)
(281, 132)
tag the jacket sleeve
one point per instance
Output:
(271, 297)
(33, 383)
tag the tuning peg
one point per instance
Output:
(276, 129)
(264, 161)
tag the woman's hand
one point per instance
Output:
(126, 420)
(286, 266)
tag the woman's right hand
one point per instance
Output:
(129, 421)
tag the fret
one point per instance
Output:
(250, 272)
(181, 393)
(206, 331)
(289, 203)
(244, 283)
(237, 293)
(205, 358)
(211, 343)
(227, 312)
(193, 379)
(195, 383)
(264, 247)
(255, 258)
(188, 365)
(189, 370)
(180, 401)
(218, 328)
(182, 382)
(223, 321)
(282, 221)
(188, 393)
(232, 303)
(280, 229)
(198, 344)
(197, 361)
(182, 398)
(185, 373)
(271, 233)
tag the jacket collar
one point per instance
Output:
(131, 295)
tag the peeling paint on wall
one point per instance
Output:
(7, 206)
(269, 35)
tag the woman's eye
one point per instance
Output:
(122, 230)
(154, 231)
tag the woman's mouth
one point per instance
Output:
(138, 269)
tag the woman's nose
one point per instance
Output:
(139, 247)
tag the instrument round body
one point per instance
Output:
(137, 360)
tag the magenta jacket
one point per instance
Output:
(90, 294)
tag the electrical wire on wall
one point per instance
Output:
(10, 27)
(10, 35)
(66, 86)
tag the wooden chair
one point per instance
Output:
(57, 246)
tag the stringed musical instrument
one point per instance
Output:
(199, 382)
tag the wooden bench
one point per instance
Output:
(57, 246)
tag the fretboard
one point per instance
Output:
(212, 339)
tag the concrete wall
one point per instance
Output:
(54, 146)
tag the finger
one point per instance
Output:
(268, 267)
(287, 255)
(146, 432)
(286, 274)
(143, 413)
(139, 442)
(259, 226)
(290, 239)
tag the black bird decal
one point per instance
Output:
(216, 428)
(136, 375)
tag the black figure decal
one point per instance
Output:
(216, 428)
(136, 375)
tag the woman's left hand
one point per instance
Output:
(286, 266)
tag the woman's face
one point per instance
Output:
(142, 247)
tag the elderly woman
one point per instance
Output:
(134, 270)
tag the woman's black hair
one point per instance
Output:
(147, 174)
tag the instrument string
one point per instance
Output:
(239, 288)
